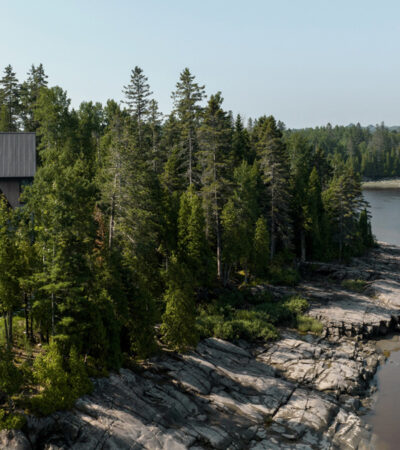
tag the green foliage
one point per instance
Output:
(250, 325)
(297, 305)
(354, 285)
(10, 375)
(62, 381)
(261, 248)
(193, 249)
(131, 219)
(178, 325)
(228, 319)
(11, 421)
(307, 323)
(280, 274)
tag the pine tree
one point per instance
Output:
(238, 220)
(215, 145)
(155, 120)
(193, 248)
(274, 165)
(137, 94)
(241, 148)
(10, 268)
(314, 217)
(186, 98)
(10, 98)
(343, 201)
(260, 248)
(179, 319)
(30, 88)
(300, 165)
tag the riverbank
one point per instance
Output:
(390, 183)
(302, 391)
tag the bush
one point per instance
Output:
(279, 274)
(10, 376)
(354, 285)
(297, 305)
(307, 323)
(11, 421)
(235, 324)
(62, 383)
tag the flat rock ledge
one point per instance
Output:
(301, 392)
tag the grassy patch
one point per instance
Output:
(354, 285)
(242, 316)
(307, 324)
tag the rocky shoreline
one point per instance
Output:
(301, 392)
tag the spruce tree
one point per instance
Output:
(193, 248)
(179, 319)
(30, 88)
(275, 168)
(260, 248)
(187, 99)
(215, 145)
(238, 219)
(137, 94)
(10, 98)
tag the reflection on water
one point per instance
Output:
(385, 210)
(384, 417)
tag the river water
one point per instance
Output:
(384, 416)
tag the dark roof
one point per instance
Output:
(17, 155)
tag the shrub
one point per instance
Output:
(279, 274)
(307, 323)
(62, 383)
(11, 421)
(10, 376)
(297, 305)
(354, 285)
(235, 324)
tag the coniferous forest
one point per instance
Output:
(143, 230)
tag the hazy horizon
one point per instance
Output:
(307, 63)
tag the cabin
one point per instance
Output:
(17, 164)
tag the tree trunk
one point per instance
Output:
(6, 328)
(303, 245)
(52, 314)
(190, 157)
(10, 327)
(26, 315)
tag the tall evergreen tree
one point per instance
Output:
(193, 248)
(30, 88)
(215, 145)
(10, 99)
(274, 164)
(137, 94)
(187, 98)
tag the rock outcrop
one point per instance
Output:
(301, 392)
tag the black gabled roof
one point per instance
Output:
(17, 155)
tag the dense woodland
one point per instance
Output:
(143, 230)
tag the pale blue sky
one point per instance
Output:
(308, 62)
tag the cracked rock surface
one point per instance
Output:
(301, 392)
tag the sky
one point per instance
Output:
(307, 62)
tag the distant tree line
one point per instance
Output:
(373, 152)
(134, 215)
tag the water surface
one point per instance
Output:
(385, 414)
(385, 210)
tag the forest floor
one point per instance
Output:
(303, 391)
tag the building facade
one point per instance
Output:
(17, 164)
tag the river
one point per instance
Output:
(384, 417)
